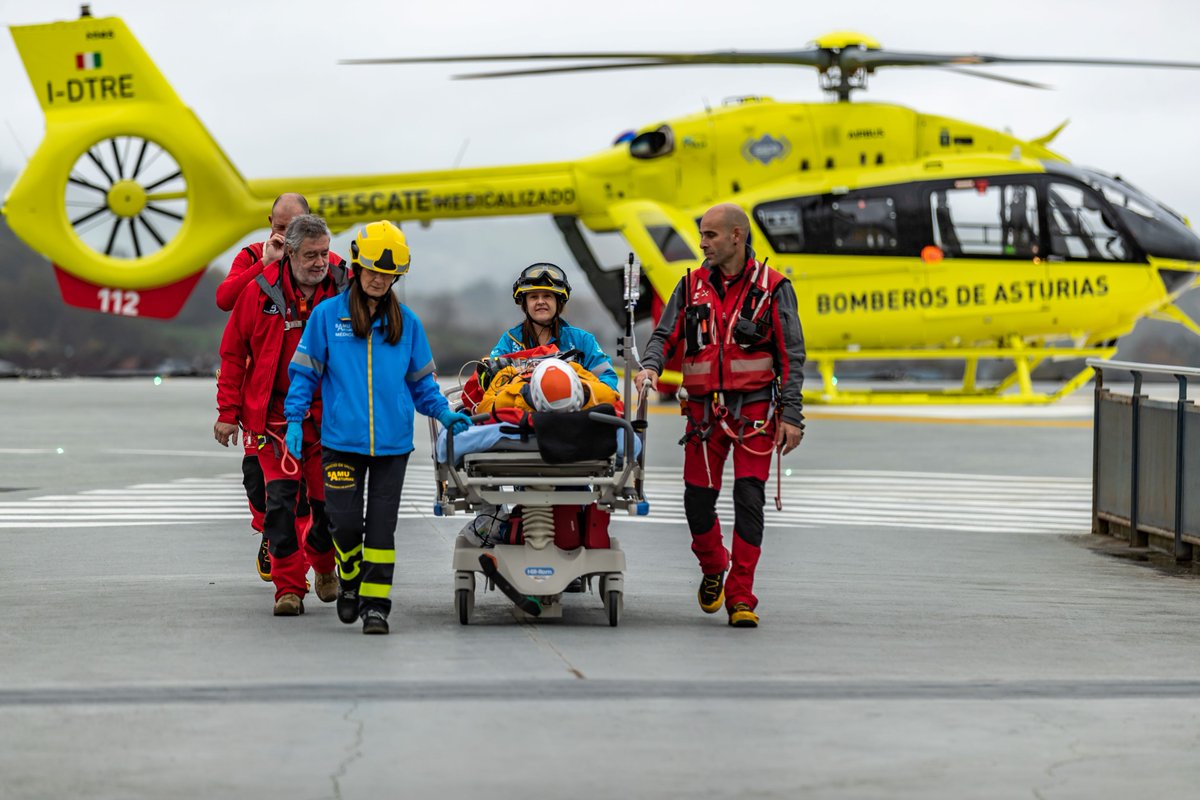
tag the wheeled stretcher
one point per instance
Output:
(558, 543)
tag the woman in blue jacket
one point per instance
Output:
(542, 291)
(371, 359)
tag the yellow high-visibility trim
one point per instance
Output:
(374, 589)
(349, 574)
(379, 556)
(344, 556)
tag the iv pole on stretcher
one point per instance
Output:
(627, 351)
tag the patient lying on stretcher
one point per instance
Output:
(545, 401)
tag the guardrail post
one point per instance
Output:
(1136, 537)
(1183, 550)
(1096, 451)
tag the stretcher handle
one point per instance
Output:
(620, 422)
(450, 460)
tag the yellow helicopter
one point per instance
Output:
(907, 235)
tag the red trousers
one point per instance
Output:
(295, 542)
(707, 448)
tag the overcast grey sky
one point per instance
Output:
(262, 76)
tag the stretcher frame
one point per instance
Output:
(536, 573)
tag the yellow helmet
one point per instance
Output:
(380, 247)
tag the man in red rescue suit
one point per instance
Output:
(260, 338)
(743, 373)
(247, 265)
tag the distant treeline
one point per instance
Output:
(42, 336)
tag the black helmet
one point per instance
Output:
(541, 277)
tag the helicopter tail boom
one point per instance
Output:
(425, 196)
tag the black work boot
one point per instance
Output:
(347, 604)
(374, 622)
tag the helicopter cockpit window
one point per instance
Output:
(864, 224)
(782, 224)
(976, 218)
(1080, 227)
(653, 144)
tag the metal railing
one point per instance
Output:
(1143, 474)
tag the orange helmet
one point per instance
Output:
(555, 386)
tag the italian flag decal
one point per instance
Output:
(87, 61)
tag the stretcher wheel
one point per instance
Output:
(464, 595)
(613, 604)
(464, 603)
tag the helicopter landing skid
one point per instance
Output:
(1015, 388)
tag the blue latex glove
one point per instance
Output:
(456, 422)
(295, 438)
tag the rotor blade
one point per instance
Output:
(518, 73)
(161, 181)
(873, 59)
(812, 57)
(145, 224)
(137, 167)
(164, 212)
(112, 236)
(86, 217)
(137, 246)
(82, 182)
(117, 158)
(96, 161)
(974, 73)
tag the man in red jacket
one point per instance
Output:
(743, 369)
(259, 340)
(247, 265)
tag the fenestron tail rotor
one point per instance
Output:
(126, 197)
(843, 59)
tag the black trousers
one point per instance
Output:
(362, 501)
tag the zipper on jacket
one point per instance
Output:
(370, 393)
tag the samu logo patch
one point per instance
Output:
(339, 475)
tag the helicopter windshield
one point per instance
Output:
(1155, 228)
(1080, 228)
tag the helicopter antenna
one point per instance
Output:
(462, 151)
(16, 139)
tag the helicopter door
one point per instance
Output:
(1093, 271)
(988, 234)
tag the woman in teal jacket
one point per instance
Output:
(542, 291)
(370, 356)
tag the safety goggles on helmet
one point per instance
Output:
(541, 277)
(380, 247)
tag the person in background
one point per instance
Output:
(247, 265)
(260, 337)
(367, 355)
